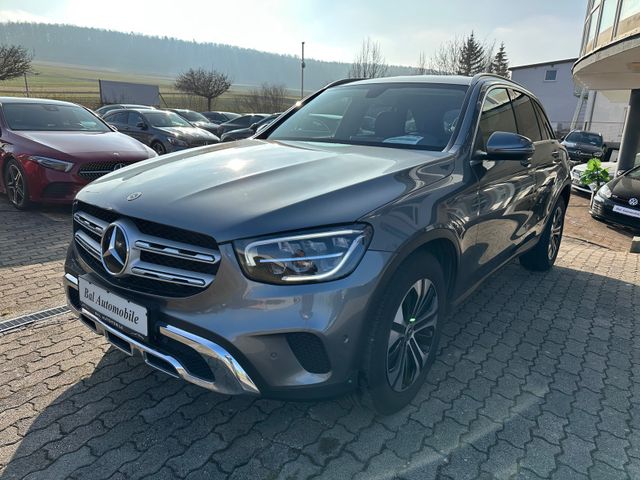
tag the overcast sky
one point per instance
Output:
(533, 30)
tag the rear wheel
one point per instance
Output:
(542, 257)
(159, 148)
(15, 184)
(405, 335)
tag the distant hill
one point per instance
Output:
(129, 52)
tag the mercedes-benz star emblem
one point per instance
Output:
(133, 196)
(633, 202)
(114, 248)
(118, 166)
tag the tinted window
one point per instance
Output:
(49, 117)
(134, 119)
(585, 137)
(409, 115)
(165, 119)
(193, 116)
(244, 121)
(497, 116)
(545, 128)
(525, 116)
(118, 117)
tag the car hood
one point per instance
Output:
(186, 132)
(255, 187)
(625, 187)
(81, 144)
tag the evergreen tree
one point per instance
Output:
(500, 64)
(471, 60)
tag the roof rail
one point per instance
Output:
(342, 82)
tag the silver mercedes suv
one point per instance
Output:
(321, 256)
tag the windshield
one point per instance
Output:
(635, 173)
(585, 137)
(194, 116)
(166, 119)
(51, 118)
(399, 115)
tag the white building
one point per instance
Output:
(568, 105)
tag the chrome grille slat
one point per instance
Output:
(153, 258)
(90, 222)
(177, 250)
(88, 243)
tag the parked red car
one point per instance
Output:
(50, 149)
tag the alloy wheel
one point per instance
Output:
(412, 335)
(15, 185)
(555, 234)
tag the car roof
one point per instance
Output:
(7, 100)
(138, 110)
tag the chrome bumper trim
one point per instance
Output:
(230, 377)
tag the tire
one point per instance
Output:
(159, 148)
(15, 184)
(387, 386)
(542, 257)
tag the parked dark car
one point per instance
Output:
(102, 111)
(322, 257)
(50, 149)
(220, 117)
(196, 119)
(243, 133)
(245, 121)
(163, 131)
(583, 146)
(618, 201)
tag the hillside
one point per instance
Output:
(163, 56)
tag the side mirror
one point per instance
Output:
(141, 125)
(254, 126)
(509, 146)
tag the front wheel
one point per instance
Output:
(542, 257)
(159, 148)
(15, 184)
(405, 334)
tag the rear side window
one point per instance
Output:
(545, 128)
(120, 117)
(134, 119)
(525, 116)
(497, 116)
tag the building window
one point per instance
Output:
(550, 75)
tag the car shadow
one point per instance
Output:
(513, 357)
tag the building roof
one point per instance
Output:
(541, 64)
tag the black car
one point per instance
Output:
(322, 256)
(618, 201)
(220, 117)
(161, 130)
(583, 146)
(196, 119)
(245, 121)
(102, 111)
(242, 133)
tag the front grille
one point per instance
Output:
(309, 351)
(163, 260)
(98, 169)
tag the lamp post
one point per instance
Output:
(26, 85)
(302, 65)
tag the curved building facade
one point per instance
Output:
(610, 60)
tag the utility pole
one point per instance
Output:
(302, 65)
(26, 85)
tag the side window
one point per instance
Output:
(525, 116)
(545, 127)
(120, 117)
(244, 121)
(497, 116)
(134, 119)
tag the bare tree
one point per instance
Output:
(14, 61)
(444, 61)
(422, 69)
(265, 99)
(369, 62)
(209, 84)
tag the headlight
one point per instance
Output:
(598, 153)
(310, 256)
(177, 142)
(53, 163)
(604, 192)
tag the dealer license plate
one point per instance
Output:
(112, 308)
(630, 212)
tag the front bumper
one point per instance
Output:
(602, 209)
(243, 330)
